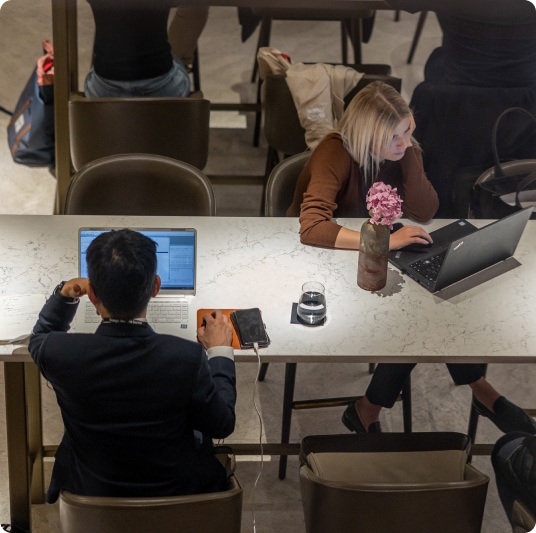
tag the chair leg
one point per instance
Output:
(417, 36)
(473, 423)
(472, 426)
(356, 38)
(195, 71)
(264, 40)
(288, 398)
(406, 405)
(258, 117)
(262, 371)
(272, 158)
(367, 26)
(397, 15)
(371, 368)
(344, 43)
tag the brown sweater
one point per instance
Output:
(332, 185)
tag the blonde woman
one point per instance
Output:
(372, 142)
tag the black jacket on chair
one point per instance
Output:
(130, 400)
(454, 126)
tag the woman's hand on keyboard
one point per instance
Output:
(408, 235)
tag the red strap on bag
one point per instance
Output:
(45, 65)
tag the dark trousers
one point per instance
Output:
(388, 379)
(513, 459)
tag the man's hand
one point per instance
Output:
(75, 288)
(215, 331)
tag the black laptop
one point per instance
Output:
(460, 250)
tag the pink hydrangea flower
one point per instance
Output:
(384, 204)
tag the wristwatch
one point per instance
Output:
(66, 299)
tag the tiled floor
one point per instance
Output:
(225, 72)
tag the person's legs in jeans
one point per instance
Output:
(176, 82)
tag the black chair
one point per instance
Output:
(139, 184)
(278, 196)
(171, 127)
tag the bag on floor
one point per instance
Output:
(506, 187)
(30, 132)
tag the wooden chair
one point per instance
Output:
(216, 512)
(171, 127)
(386, 482)
(139, 184)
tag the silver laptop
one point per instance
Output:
(460, 250)
(172, 310)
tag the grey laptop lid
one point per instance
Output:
(176, 256)
(471, 251)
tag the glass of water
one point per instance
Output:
(312, 304)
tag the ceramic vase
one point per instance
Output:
(373, 255)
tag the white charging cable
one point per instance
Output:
(256, 348)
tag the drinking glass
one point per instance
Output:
(312, 304)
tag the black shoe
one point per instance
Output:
(351, 420)
(507, 416)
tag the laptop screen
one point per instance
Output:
(175, 253)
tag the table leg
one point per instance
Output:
(406, 405)
(288, 399)
(35, 431)
(17, 445)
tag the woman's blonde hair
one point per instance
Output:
(369, 122)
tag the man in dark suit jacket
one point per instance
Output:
(131, 398)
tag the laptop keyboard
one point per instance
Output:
(168, 310)
(429, 267)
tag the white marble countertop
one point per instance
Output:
(260, 262)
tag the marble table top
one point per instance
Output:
(260, 262)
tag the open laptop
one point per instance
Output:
(171, 311)
(460, 250)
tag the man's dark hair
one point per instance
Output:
(121, 267)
